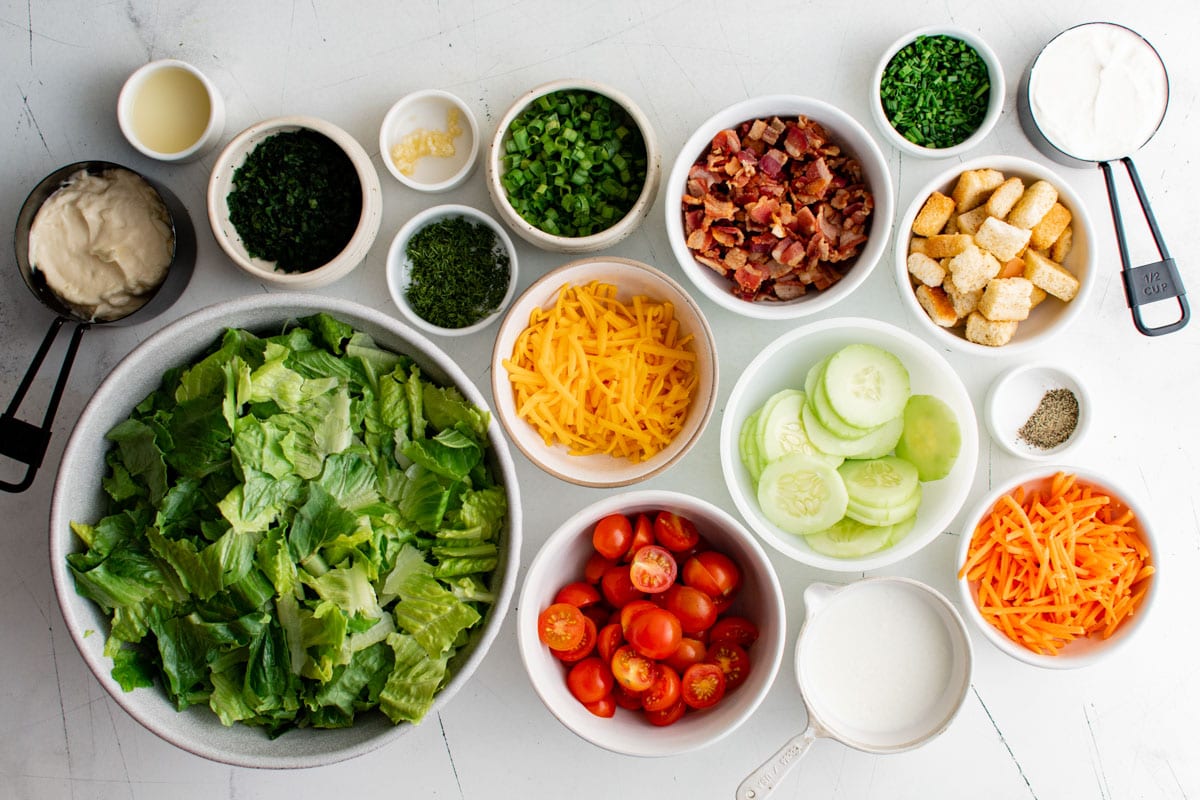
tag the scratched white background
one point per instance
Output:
(1123, 729)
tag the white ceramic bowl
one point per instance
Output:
(398, 266)
(783, 365)
(128, 99)
(1014, 396)
(1049, 318)
(581, 244)
(995, 96)
(78, 496)
(1081, 652)
(561, 560)
(220, 183)
(631, 278)
(427, 110)
(845, 131)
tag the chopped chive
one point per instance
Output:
(935, 91)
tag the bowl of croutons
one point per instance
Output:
(995, 255)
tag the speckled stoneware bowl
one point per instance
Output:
(78, 496)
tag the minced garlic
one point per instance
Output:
(422, 142)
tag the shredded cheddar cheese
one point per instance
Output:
(598, 375)
(422, 142)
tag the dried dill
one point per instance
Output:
(458, 272)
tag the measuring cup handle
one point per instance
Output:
(762, 781)
(23, 441)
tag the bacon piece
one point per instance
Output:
(796, 142)
(774, 128)
(726, 141)
(716, 208)
(762, 210)
(693, 220)
(736, 258)
(772, 162)
(756, 129)
(749, 278)
(728, 235)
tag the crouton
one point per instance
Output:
(973, 268)
(1006, 299)
(1002, 239)
(925, 269)
(982, 330)
(1034, 204)
(1036, 296)
(939, 308)
(974, 186)
(933, 216)
(951, 226)
(969, 221)
(1046, 232)
(946, 245)
(917, 245)
(1013, 268)
(1061, 246)
(1001, 201)
(964, 302)
(1052, 277)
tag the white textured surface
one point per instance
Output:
(1125, 728)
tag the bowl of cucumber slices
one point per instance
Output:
(849, 444)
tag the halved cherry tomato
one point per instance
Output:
(578, 594)
(595, 567)
(690, 651)
(626, 698)
(643, 535)
(738, 630)
(597, 613)
(653, 569)
(713, 573)
(604, 707)
(561, 626)
(733, 661)
(608, 639)
(695, 609)
(655, 633)
(674, 532)
(632, 610)
(664, 691)
(612, 536)
(723, 604)
(631, 669)
(667, 717)
(590, 680)
(585, 647)
(617, 587)
(703, 685)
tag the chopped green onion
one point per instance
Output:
(935, 91)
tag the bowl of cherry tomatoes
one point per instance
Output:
(651, 623)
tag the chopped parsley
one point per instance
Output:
(935, 91)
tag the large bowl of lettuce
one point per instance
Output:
(285, 529)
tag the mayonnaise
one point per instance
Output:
(103, 243)
(1098, 92)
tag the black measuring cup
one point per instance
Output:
(26, 442)
(1145, 284)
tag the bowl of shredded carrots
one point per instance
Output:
(604, 372)
(1057, 567)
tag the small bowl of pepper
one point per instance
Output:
(1038, 411)
(573, 167)
(295, 202)
(451, 270)
(937, 92)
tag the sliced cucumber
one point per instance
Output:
(801, 494)
(764, 412)
(901, 529)
(885, 482)
(748, 447)
(813, 376)
(878, 442)
(849, 538)
(931, 438)
(819, 400)
(783, 432)
(871, 515)
(866, 385)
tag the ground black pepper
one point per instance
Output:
(1053, 421)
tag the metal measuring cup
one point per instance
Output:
(825, 719)
(1149, 283)
(26, 442)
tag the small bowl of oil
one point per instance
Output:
(429, 140)
(170, 111)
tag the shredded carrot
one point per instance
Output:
(598, 375)
(1056, 563)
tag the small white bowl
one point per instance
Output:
(1049, 318)
(783, 365)
(631, 278)
(1081, 652)
(169, 107)
(854, 139)
(581, 244)
(427, 110)
(995, 96)
(1015, 395)
(560, 561)
(220, 183)
(398, 266)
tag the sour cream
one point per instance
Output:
(102, 242)
(1098, 91)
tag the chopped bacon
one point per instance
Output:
(749, 278)
(762, 210)
(728, 235)
(756, 129)
(726, 141)
(717, 208)
(772, 162)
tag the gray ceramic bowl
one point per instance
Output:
(78, 496)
